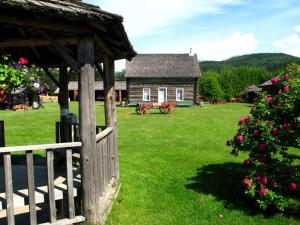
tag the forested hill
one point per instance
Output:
(272, 62)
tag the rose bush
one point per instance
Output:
(267, 134)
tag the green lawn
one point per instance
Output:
(175, 169)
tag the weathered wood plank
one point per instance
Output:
(104, 133)
(9, 189)
(70, 183)
(75, 220)
(87, 125)
(31, 188)
(51, 192)
(59, 146)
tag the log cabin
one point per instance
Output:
(160, 78)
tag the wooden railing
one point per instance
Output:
(105, 157)
(52, 189)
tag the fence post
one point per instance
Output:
(2, 135)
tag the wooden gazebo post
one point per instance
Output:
(110, 109)
(87, 118)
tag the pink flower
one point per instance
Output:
(249, 185)
(247, 162)
(273, 182)
(244, 120)
(264, 180)
(262, 192)
(262, 159)
(286, 76)
(270, 122)
(293, 186)
(228, 142)
(239, 138)
(286, 126)
(274, 132)
(262, 147)
(286, 88)
(275, 80)
(269, 99)
(246, 177)
(257, 120)
(23, 61)
(256, 133)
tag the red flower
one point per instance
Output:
(249, 185)
(274, 132)
(247, 162)
(286, 126)
(262, 192)
(239, 138)
(262, 147)
(228, 142)
(256, 133)
(293, 186)
(273, 182)
(270, 122)
(244, 120)
(269, 99)
(23, 61)
(257, 120)
(264, 180)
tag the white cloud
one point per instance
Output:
(144, 18)
(235, 44)
(289, 44)
(297, 28)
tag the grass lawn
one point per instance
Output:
(175, 169)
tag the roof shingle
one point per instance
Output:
(163, 65)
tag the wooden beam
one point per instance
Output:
(110, 109)
(63, 51)
(87, 123)
(36, 42)
(46, 70)
(35, 52)
(38, 24)
(100, 69)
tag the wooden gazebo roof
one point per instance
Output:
(38, 29)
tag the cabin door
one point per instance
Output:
(162, 95)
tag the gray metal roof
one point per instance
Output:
(163, 65)
(119, 85)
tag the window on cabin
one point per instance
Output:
(179, 94)
(146, 94)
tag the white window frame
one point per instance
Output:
(177, 97)
(166, 92)
(146, 100)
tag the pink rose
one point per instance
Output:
(293, 186)
(264, 180)
(246, 177)
(247, 162)
(249, 185)
(274, 132)
(256, 133)
(239, 138)
(228, 142)
(286, 88)
(273, 182)
(23, 61)
(286, 76)
(286, 126)
(270, 122)
(262, 147)
(262, 192)
(269, 99)
(275, 80)
(244, 120)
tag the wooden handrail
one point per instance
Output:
(103, 133)
(27, 148)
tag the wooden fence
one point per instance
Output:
(55, 191)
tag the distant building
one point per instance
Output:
(120, 87)
(250, 93)
(162, 77)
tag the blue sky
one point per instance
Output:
(214, 29)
